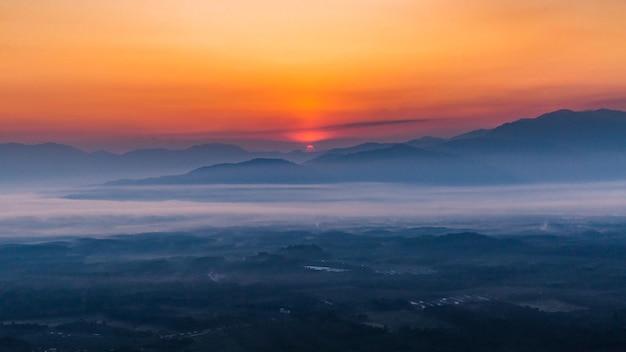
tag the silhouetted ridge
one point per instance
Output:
(259, 162)
(570, 128)
(52, 161)
(562, 131)
(560, 146)
(259, 170)
(426, 142)
(387, 152)
(364, 147)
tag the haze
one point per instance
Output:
(113, 210)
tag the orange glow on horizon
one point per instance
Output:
(74, 69)
(309, 137)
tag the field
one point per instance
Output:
(276, 289)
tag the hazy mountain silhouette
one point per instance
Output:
(364, 147)
(405, 163)
(426, 142)
(23, 162)
(56, 162)
(562, 131)
(559, 146)
(382, 152)
(562, 145)
(393, 163)
(251, 171)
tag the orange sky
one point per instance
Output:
(88, 70)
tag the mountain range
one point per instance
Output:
(561, 146)
(22, 163)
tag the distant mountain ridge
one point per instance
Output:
(397, 163)
(52, 161)
(261, 170)
(560, 131)
(563, 145)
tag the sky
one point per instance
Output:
(119, 74)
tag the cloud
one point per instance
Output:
(165, 208)
(378, 123)
(281, 132)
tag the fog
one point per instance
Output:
(113, 210)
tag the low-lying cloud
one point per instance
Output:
(111, 210)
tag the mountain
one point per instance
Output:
(405, 163)
(381, 152)
(364, 147)
(394, 163)
(562, 131)
(184, 159)
(195, 152)
(426, 142)
(22, 162)
(251, 171)
(560, 146)
(54, 163)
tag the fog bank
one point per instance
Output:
(110, 210)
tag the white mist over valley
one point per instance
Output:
(131, 209)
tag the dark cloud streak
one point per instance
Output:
(282, 131)
(379, 123)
